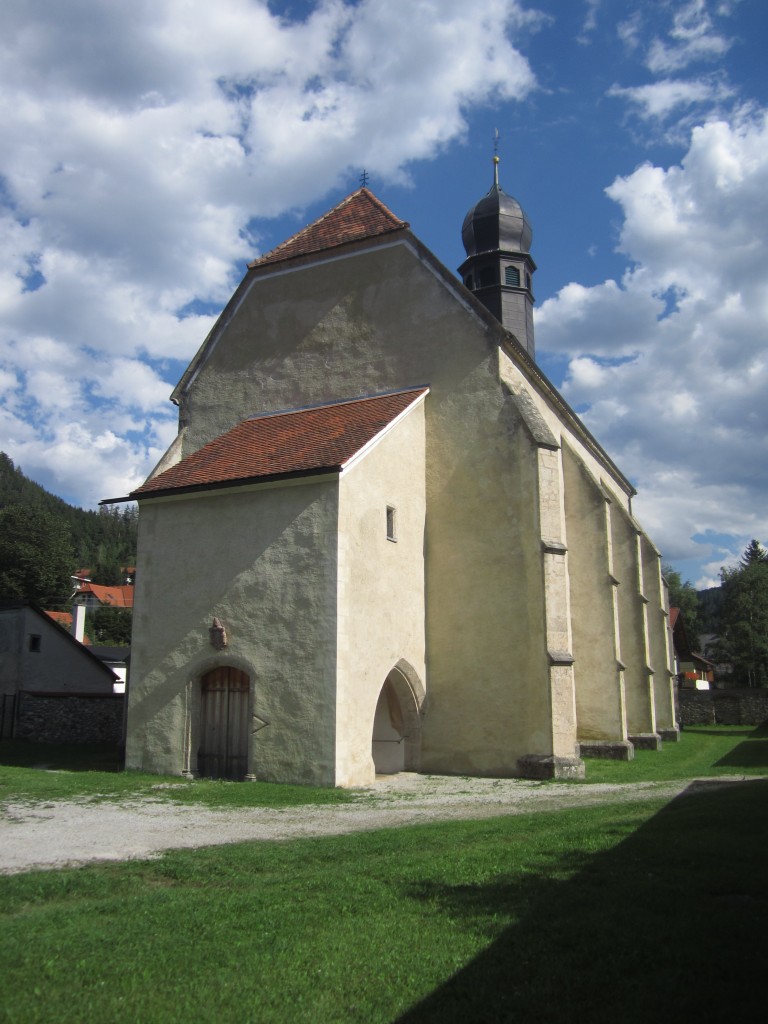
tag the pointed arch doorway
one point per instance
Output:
(396, 741)
(224, 701)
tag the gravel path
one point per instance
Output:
(52, 835)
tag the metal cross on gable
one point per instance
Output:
(364, 178)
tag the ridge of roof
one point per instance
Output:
(321, 438)
(361, 215)
(120, 596)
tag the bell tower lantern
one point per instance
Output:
(497, 238)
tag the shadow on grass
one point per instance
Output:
(752, 753)
(71, 757)
(669, 923)
(725, 730)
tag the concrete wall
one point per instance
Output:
(58, 664)
(263, 561)
(381, 590)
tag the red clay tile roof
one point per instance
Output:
(356, 218)
(322, 438)
(64, 619)
(117, 597)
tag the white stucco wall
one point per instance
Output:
(599, 684)
(494, 599)
(381, 587)
(262, 560)
(383, 320)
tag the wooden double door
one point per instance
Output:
(224, 713)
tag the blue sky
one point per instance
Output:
(150, 150)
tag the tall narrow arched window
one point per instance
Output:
(512, 276)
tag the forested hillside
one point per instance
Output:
(102, 542)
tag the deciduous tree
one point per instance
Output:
(683, 596)
(743, 637)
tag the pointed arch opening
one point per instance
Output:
(396, 741)
(224, 713)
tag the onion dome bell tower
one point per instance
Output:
(498, 268)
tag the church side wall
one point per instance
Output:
(263, 561)
(599, 686)
(659, 646)
(627, 567)
(489, 700)
(517, 382)
(381, 587)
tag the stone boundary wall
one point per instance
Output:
(70, 718)
(723, 707)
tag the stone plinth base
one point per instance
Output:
(670, 735)
(646, 741)
(543, 766)
(614, 750)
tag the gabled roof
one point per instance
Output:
(64, 619)
(116, 597)
(300, 442)
(86, 652)
(356, 218)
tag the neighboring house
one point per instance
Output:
(39, 657)
(382, 539)
(66, 621)
(115, 658)
(94, 596)
(128, 572)
(693, 670)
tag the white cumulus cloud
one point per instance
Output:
(679, 395)
(141, 141)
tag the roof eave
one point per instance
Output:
(249, 481)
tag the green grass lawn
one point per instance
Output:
(634, 913)
(36, 771)
(32, 771)
(703, 751)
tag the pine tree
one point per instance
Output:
(35, 555)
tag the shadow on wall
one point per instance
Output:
(669, 924)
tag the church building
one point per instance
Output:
(382, 540)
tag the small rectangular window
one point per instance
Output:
(391, 523)
(35, 643)
(512, 276)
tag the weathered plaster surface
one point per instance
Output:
(599, 686)
(475, 600)
(381, 587)
(264, 563)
